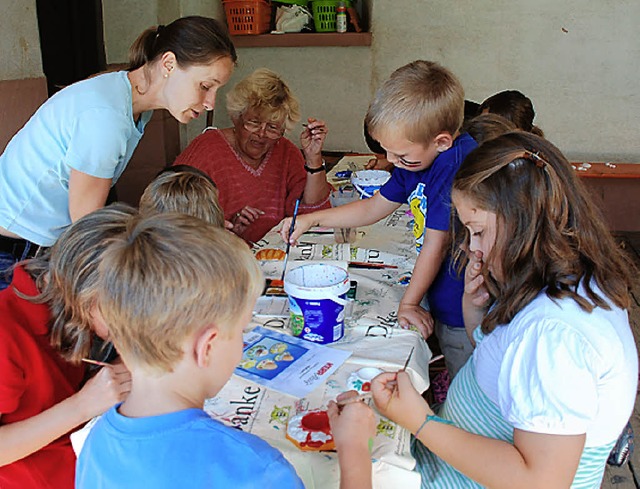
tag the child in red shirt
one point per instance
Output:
(47, 325)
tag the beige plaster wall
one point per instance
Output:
(577, 60)
(19, 40)
(124, 20)
(22, 84)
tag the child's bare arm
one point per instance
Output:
(426, 268)
(22, 438)
(532, 460)
(355, 214)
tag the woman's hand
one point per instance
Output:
(415, 315)
(397, 399)
(304, 222)
(242, 219)
(109, 386)
(474, 284)
(311, 141)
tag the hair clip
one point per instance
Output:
(528, 155)
(537, 159)
(159, 30)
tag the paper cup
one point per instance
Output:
(368, 182)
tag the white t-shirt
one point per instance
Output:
(87, 126)
(557, 369)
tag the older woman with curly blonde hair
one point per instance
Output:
(259, 173)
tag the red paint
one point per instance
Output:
(366, 387)
(315, 421)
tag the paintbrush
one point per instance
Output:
(436, 358)
(371, 266)
(96, 362)
(293, 223)
(349, 400)
(406, 364)
(315, 130)
(319, 231)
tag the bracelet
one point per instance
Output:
(310, 170)
(432, 417)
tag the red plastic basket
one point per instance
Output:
(247, 16)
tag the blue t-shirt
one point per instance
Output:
(185, 449)
(87, 126)
(428, 193)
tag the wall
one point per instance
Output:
(19, 40)
(22, 85)
(578, 61)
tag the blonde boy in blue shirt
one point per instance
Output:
(416, 116)
(176, 293)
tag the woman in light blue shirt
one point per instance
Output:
(62, 163)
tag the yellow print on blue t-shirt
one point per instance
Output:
(418, 203)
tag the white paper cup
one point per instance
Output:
(368, 182)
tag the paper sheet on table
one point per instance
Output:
(80, 436)
(285, 363)
(374, 339)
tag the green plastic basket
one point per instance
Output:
(302, 3)
(324, 14)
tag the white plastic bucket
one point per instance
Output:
(368, 182)
(317, 298)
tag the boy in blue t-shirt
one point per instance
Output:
(176, 293)
(416, 116)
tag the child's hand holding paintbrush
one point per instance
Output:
(397, 399)
(110, 385)
(353, 425)
(280, 283)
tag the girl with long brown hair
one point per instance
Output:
(552, 380)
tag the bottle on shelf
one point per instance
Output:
(341, 17)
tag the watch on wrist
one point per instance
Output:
(310, 170)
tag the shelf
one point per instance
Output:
(303, 39)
